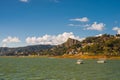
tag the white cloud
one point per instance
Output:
(79, 25)
(116, 29)
(74, 25)
(52, 39)
(84, 19)
(98, 35)
(86, 26)
(11, 40)
(4, 45)
(24, 1)
(96, 26)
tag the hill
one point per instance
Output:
(102, 45)
(108, 45)
(28, 50)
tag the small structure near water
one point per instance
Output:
(79, 61)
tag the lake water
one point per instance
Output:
(57, 69)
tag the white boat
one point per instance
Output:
(101, 61)
(79, 61)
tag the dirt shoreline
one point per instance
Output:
(70, 56)
(88, 57)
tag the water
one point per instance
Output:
(57, 69)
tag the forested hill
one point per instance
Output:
(100, 45)
(28, 50)
(105, 44)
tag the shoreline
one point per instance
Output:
(69, 56)
(77, 56)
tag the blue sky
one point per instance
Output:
(30, 22)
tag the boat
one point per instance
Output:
(101, 61)
(79, 61)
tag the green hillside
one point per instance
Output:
(101, 45)
(106, 44)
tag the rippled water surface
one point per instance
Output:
(57, 69)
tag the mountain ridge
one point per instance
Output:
(96, 45)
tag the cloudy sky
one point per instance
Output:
(30, 22)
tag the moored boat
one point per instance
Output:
(101, 61)
(79, 61)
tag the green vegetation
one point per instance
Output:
(105, 44)
(108, 45)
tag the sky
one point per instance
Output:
(33, 22)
